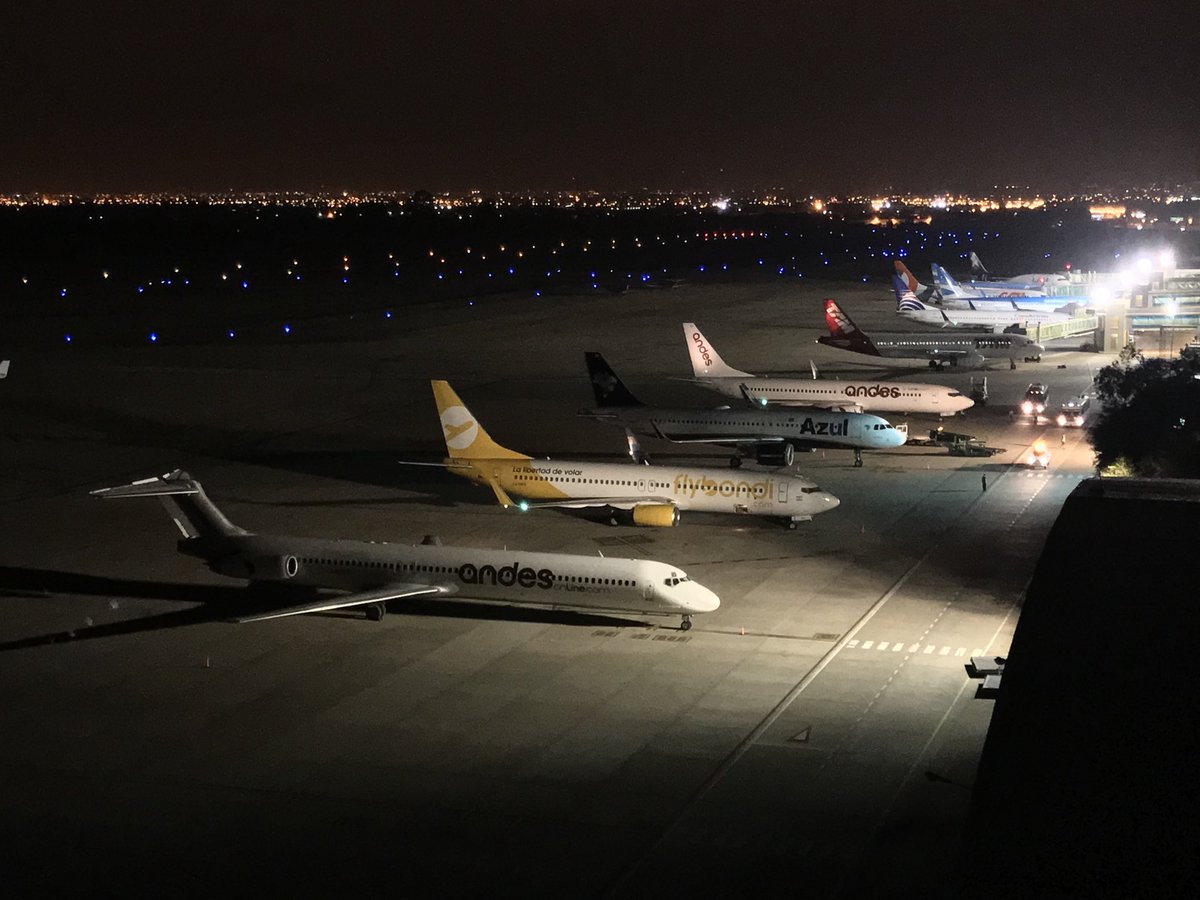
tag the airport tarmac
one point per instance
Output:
(818, 734)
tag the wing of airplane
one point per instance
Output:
(344, 601)
(592, 502)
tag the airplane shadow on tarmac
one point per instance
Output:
(221, 603)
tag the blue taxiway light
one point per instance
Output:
(154, 337)
(388, 314)
(245, 285)
(287, 329)
(231, 334)
(67, 338)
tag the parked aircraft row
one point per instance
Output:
(368, 575)
(999, 316)
(947, 292)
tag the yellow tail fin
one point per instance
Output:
(465, 437)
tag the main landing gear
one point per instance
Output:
(686, 624)
(857, 458)
(376, 611)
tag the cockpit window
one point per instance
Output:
(955, 394)
(809, 490)
(674, 580)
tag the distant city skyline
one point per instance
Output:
(610, 96)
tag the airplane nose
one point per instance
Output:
(830, 501)
(700, 599)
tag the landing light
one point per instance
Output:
(524, 506)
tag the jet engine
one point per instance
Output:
(775, 454)
(656, 515)
(263, 568)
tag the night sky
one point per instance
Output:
(717, 96)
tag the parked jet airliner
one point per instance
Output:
(947, 292)
(906, 397)
(997, 316)
(938, 348)
(773, 435)
(370, 574)
(654, 495)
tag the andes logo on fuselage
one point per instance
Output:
(506, 576)
(875, 390)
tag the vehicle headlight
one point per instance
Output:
(1027, 407)
(1062, 420)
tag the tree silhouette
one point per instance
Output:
(1149, 422)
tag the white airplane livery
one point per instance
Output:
(771, 435)
(653, 495)
(994, 315)
(938, 348)
(711, 371)
(368, 575)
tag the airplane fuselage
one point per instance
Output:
(971, 349)
(554, 580)
(869, 396)
(815, 428)
(626, 486)
(985, 314)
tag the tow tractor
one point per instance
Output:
(956, 443)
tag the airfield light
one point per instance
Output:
(67, 338)
(1144, 265)
(388, 314)
(1171, 308)
(154, 337)
(287, 329)
(231, 333)
(524, 506)
(1102, 294)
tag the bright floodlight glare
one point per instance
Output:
(1144, 265)
(1166, 259)
(1171, 308)
(1126, 278)
(1102, 294)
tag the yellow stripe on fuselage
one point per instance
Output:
(547, 479)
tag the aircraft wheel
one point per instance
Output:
(376, 611)
(791, 525)
(686, 624)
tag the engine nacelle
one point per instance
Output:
(656, 515)
(262, 568)
(775, 454)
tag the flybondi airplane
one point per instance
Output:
(368, 574)
(938, 348)
(772, 435)
(855, 396)
(654, 495)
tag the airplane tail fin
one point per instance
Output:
(706, 362)
(945, 282)
(465, 437)
(843, 332)
(977, 267)
(185, 501)
(910, 280)
(608, 388)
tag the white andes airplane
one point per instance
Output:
(653, 495)
(771, 435)
(369, 574)
(857, 396)
(939, 347)
(996, 315)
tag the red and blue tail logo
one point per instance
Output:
(843, 333)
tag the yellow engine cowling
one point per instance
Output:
(656, 515)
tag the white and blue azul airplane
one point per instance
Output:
(711, 371)
(772, 435)
(997, 316)
(338, 574)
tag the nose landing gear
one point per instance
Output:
(686, 624)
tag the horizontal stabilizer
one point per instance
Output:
(177, 482)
